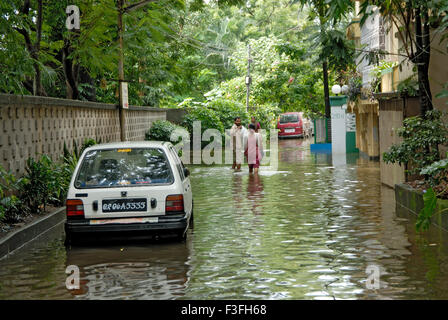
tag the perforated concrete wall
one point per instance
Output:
(31, 126)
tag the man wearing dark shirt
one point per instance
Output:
(256, 124)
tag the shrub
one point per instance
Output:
(208, 117)
(161, 131)
(41, 184)
(421, 138)
(11, 207)
(408, 87)
(228, 110)
(71, 158)
(437, 173)
(354, 87)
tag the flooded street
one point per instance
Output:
(308, 231)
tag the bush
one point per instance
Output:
(45, 182)
(161, 131)
(11, 207)
(421, 138)
(208, 117)
(436, 173)
(42, 184)
(228, 110)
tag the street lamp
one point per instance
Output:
(336, 89)
(344, 89)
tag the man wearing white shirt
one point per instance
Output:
(237, 133)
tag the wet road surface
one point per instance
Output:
(307, 231)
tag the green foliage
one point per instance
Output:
(40, 186)
(227, 110)
(173, 49)
(219, 113)
(408, 87)
(267, 116)
(354, 87)
(45, 182)
(444, 92)
(200, 112)
(335, 48)
(421, 137)
(428, 210)
(11, 207)
(70, 159)
(384, 67)
(434, 170)
(161, 130)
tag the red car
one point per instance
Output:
(290, 124)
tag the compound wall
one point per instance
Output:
(31, 126)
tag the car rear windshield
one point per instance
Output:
(124, 167)
(288, 118)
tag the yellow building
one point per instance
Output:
(376, 121)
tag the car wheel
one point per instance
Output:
(68, 240)
(182, 236)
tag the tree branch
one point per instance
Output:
(137, 5)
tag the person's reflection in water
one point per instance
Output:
(237, 192)
(255, 192)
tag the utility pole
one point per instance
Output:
(121, 71)
(122, 85)
(248, 78)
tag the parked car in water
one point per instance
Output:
(129, 189)
(294, 124)
(290, 124)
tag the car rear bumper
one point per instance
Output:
(75, 228)
(292, 135)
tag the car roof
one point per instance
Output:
(131, 144)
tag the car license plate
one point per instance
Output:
(125, 220)
(290, 130)
(124, 205)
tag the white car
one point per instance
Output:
(129, 189)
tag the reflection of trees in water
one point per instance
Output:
(291, 150)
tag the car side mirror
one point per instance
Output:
(186, 172)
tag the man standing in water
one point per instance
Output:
(236, 133)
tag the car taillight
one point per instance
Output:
(74, 208)
(174, 204)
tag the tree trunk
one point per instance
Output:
(38, 79)
(422, 58)
(327, 99)
(70, 77)
(89, 93)
(34, 49)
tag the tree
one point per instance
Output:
(413, 20)
(26, 19)
(328, 14)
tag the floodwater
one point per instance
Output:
(318, 228)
